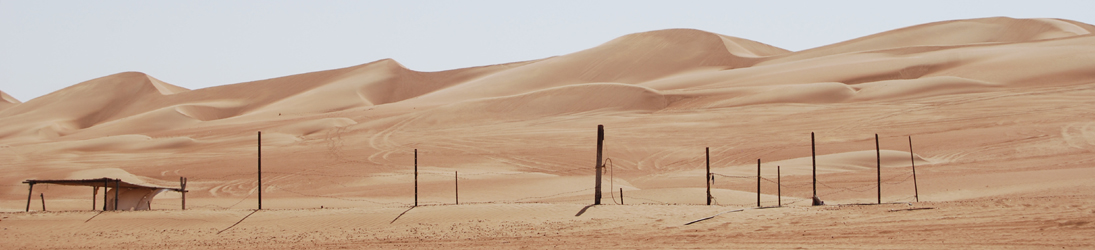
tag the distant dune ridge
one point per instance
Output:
(973, 93)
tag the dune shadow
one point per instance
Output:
(580, 212)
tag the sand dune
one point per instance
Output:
(995, 109)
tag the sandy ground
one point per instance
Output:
(997, 111)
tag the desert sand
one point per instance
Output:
(998, 111)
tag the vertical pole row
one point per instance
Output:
(600, 145)
(916, 191)
(758, 182)
(813, 160)
(260, 169)
(30, 193)
(779, 189)
(878, 154)
(416, 177)
(707, 177)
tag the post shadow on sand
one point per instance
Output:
(401, 214)
(238, 222)
(580, 212)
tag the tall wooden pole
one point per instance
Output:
(916, 191)
(260, 169)
(813, 160)
(708, 177)
(182, 186)
(416, 177)
(779, 189)
(878, 155)
(758, 182)
(117, 190)
(457, 182)
(30, 193)
(600, 146)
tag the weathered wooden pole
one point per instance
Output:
(117, 191)
(708, 176)
(779, 189)
(758, 182)
(43, 196)
(916, 191)
(878, 154)
(182, 186)
(416, 177)
(30, 193)
(260, 169)
(600, 164)
(94, 197)
(813, 160)
(457, 182)
(621, 196)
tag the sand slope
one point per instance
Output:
(996, 108)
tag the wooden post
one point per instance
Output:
(182, 186)
(878, 154)
(708, 177)
(117, 190)
(106, 193)
(457, 182)
(416, 177)
(779, 189)
(260, 169)
(916, 191)
(600, 146)
(43, 201)
(758, 182)
(94, 197)
(30, 193)
(813, 160)
(621, 196)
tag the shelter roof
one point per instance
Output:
(100, 182)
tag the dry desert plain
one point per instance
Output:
(999, 111)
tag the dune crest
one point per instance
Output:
(6, 101)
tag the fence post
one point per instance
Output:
(758, 182)
(416, 177)
(43, 201)
(878, 154)
(456, 180)
(813, 160)
(600, 145)
(182, 186)
(916, 191)
(708, 177)
(260, 169)
(779, 188)
(621, 196)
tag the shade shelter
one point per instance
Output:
(117, 194)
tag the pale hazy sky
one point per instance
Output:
(49, 45)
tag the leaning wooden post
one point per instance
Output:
(916, 191)
(260, 169)
(117, 191)
(416, 177)
(43, 201)
(708, 177)
(758, 182)
(779, 189)
(30, 193)
(813, 160)
(878, 154)
(600, 146)
(621, 196)
(456, 180)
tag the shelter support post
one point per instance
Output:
(43, 196)
(117, 190)
(30, 193)
(94, 196)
